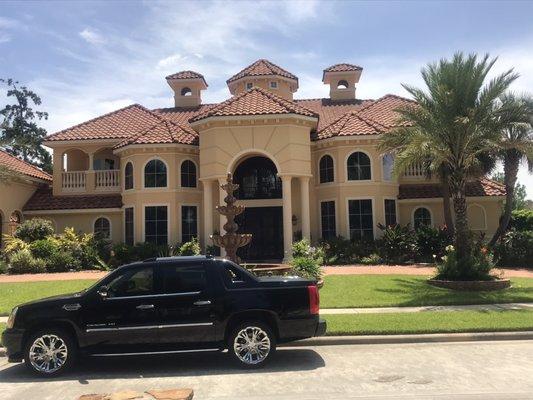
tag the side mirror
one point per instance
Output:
(103, 292)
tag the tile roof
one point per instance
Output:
(163, 132)
(478, 188)
(43, 199)
(343, 67)
(22, 167)
(119, 124)
(260, 68)
(186, 75)
(383, 109)
(350, 124)
(255, 101)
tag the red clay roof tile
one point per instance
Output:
(43, 199)
(163, 132)
(478, 188)
(261, 68)
(186, 75)
(343, 67)
(22, 167)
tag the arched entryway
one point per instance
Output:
(259, 187)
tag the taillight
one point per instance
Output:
(314, 299)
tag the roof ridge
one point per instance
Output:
(269, 64)
(25, 163)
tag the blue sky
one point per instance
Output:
(88, 58)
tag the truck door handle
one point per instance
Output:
(202, 303)
(145, 307)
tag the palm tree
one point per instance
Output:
(514, 145)
(452, 125)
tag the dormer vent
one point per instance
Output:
(342, 79)
(187, 87)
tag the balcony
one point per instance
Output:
(415, 171)
(78, 181)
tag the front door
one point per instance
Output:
(266, 226)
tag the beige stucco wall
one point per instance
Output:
(284, 88)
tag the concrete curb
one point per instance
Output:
(418, 338)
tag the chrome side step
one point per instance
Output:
(152, 353)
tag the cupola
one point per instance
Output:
(187, 87)
(266, 75)
(342, 79)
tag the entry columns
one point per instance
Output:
(208, 211)
(304, 196)
(287, 217)
(221, 195)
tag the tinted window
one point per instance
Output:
(390, 212)
(102, 228)
(128, 176)
(326, 169)
(137, 282)
(155, 174)
(358, 167)
(188, 174)
(189, 223)
(422, 217)
(156, 225)
(129, 226)
(327, 215)
(360, 219)
(233, 276)
(182, 279)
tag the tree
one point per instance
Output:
(520, 201)
(452, 125)
(514, 145)
(19, 132)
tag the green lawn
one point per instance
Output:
(429, 322)
(341, 291)
(12, 294)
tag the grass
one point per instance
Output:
(344, 291)
(429, 322)
(12, 294)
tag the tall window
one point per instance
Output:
(189, 223)
(358, 167)
(102, 227)
(156, 225)
(360, 219)
(129, 227)
(257, 179)
(421, 217)
(327, 218)
(188, 174)
(128, 176)
(388, 163)
(155, 174)
(327, 173)
(390, 212)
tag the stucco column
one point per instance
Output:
(287, 217)
(221, 195)
(90, 175)
(304, 197)
(208, 211)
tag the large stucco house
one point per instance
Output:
(306, 167)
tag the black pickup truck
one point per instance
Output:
(162, 306)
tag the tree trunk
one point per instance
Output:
(448, 219)
(462, 240)
(510, 168)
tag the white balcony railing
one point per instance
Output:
(107, 179)
(415, 171)
(73, 181)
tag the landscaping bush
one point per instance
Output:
(191, 248)
(340, 251)
(22, 262)
(34, 229)
(431, 243)
(397, 245)
(480, 261)
(372, 259)
(63, 261)
(44, 248)
(521, 220)
(515, 249)
(307, 259)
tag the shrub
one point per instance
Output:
(431, 243)
(191, 248)
(372, 259)
(3, 267)
(212, 250)
(13, 245)
(397, 244)
(345, 251)
(34, 229)
(44, 248)
(143, 251)
(22, 262)
(522, 220)
(515, 249)
(479, 268)
(307, 259)
(63, 261)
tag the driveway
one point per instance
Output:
(481, 370)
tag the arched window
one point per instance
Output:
(257, 179)
(102, 228)
(327, 173)
(421, 217)
(388, 164)
(128, 176)
(188, 174)
(342, 84)
(186, 91)
(155, 174)
(358, 165)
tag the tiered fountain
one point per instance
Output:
(231, 240)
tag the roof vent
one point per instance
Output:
(187, 87)
(342, 79)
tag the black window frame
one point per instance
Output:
(391, 218)
(360, 224)
(129, 226)
(188, 174)
(359, 167)
(99, 230)
(155, 178)
(326, 169)
(128, 176)
(187, 234)
(328, 220)
(157, 220)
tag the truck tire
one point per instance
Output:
(50, 352)
(251, 344)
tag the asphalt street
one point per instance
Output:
(469, 370)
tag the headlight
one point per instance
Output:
(11, 319)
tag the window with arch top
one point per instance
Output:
(358, 166)
(186, 91)
(421, 217)
(343, 84)
(102, 228)
(327, 171)
(128, 176)
(188, 174)
(155, 174)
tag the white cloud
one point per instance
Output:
(91, 36)
(170, 61)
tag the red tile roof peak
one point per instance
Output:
(187, 75)
(262, 67)
(22, 167)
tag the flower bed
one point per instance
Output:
(496, 284)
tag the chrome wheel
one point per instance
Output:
(251, 345)
(48, 353)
